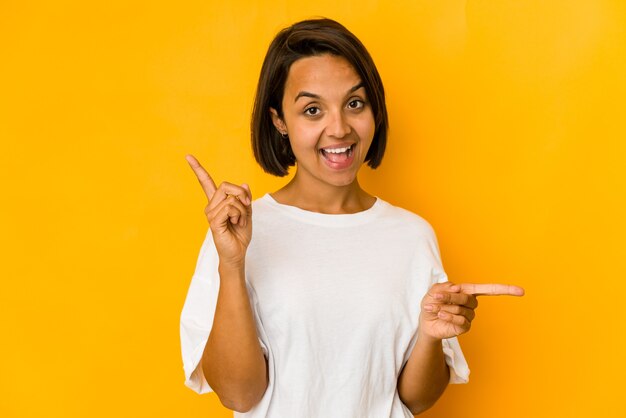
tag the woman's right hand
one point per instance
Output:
(229, 213)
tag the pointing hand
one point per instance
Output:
(448, 308)
(229, 212)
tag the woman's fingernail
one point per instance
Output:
(428, 308)
(438, 296)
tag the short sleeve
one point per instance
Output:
(459, 371)
(198, 313)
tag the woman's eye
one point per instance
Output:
(312, 111)
(356, 104)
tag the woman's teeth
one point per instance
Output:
(337, 150)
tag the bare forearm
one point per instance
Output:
(425, 375)
(233, 362)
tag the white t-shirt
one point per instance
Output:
(336, 300)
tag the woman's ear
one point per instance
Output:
(278, 122)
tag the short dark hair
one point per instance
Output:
(304, 39)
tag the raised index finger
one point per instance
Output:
(492, 289)
(207, 183)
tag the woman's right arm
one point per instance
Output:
(232, 362)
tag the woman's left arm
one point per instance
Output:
(447, 310)
(425, 375)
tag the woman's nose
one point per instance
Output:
(338, 126)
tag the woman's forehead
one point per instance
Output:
(321, 75)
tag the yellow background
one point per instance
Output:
(507, 134)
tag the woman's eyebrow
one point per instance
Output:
(315, 96)
(355, 88)
(305, 94)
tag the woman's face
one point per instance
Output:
(327, 117)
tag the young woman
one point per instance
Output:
(337, 305)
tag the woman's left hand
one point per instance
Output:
(448, 308)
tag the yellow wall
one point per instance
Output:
(507, 134)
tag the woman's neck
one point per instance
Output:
(325, 198)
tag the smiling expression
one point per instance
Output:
(328, 119)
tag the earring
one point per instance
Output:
(284, 135)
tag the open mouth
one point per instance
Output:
(338, 155)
